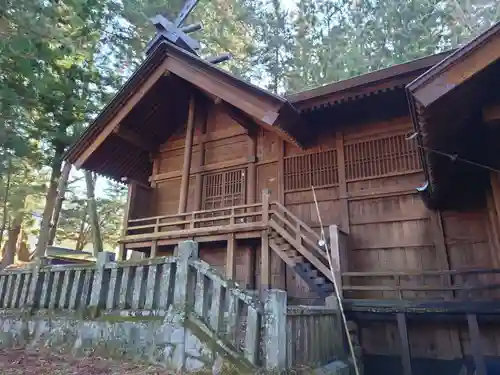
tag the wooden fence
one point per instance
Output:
(314, 335)
(237, 321)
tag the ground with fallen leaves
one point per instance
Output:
(21, 362)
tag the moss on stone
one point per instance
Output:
(128, 318)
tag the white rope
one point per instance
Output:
(335, 286)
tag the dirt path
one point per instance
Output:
(21, 362)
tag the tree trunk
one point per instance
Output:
(93, 217)
(23, 252)
(50, 201)
(61, 190)
(81, 233)
(11, 244)
(5, 200)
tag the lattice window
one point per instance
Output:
(318, 169)
(225, 189)
(386, 156)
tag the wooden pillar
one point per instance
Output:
(265, 254)
(198, 189)
(405, 344)
(494, 216)
(250, 264)
(188, 150)
(230, 260)
(154, 249)
(476, 344)
(281, 172)
(127, 212)
(344, 198)
(251, 168)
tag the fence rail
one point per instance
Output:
(477, 284)
(239, 322)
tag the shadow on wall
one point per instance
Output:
(378, 364)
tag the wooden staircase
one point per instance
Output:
(298, 246)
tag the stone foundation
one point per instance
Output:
(151, 339)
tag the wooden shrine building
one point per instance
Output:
(403, 162)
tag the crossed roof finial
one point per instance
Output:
(177, 34)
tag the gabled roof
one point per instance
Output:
(365, 84)
(457, 68)
(445, 105)
(154, 75)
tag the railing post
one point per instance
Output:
(265, 206)
(99, 285)
(337, 255)
(275, 316)
(177, 312)
(331, 302)
(191, 223)
(231, 217)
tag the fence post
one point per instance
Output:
(98, 285)
(177, 312)
(331, 302)
(33, 299)
(275, 316)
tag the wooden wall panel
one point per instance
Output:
(267, 178)
(225, 149)
(167, 197)
(141, 202)
(268, 145)
(387, 209)
(170, 160)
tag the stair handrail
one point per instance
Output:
(300, 223)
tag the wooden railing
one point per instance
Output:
(440, 284)
(305, 240)
(226, 217)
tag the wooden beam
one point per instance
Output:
(134, 138)
(491, 113)
(188, 151)
(122, 113)
(230, 260)
(257, 106)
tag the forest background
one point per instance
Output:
(61, 61)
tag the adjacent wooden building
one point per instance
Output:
(403, 162)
